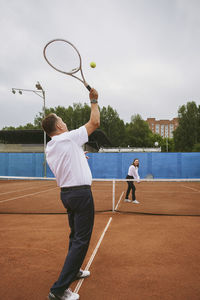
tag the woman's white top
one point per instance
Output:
(133, 171)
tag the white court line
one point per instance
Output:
(16, 191)
(119, 200)
(188, 187)
(26, 195)
(93, 255)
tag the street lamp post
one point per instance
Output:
(41, 93)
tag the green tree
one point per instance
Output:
(196, 148)
(8, 128)
(157, 138)
(138, 133)
(74, 116)
(28, 126)
(81, 114)
(113, 126)
(167, 145)
(187, 133)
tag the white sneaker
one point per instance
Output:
(135, 201)
(69, 295)
(83, 274)
(127, 200)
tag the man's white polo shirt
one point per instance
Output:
(67, 160)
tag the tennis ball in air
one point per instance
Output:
(92, 64)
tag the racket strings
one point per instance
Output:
(63, 57)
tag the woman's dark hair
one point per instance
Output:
(134, 162)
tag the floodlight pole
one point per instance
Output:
(41, 93)
(40, 89)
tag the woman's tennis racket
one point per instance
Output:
(63, 56)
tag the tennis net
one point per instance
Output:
(26, 195)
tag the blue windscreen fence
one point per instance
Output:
(109, 165)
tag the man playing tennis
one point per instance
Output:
(67, 161)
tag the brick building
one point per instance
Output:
(164, 128)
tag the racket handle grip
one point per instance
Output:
(87, 86)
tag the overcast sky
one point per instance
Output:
(147, 54)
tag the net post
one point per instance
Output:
(113, 197)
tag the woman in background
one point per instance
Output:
(132, 174)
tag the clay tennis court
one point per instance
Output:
(151, 252)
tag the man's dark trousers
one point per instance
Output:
(80, 207)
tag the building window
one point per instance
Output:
(171, 129)
(157, 128)
(162, 130)
(166, 131)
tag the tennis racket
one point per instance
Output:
(64, 57)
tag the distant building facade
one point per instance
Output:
(164, 128)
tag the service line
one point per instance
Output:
(19, 197)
